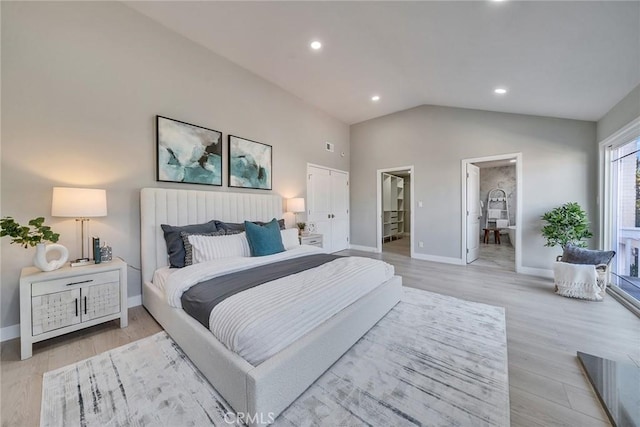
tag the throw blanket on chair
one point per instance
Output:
(577, 281)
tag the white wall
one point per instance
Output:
(81, 85)
(625, 111)
(559, 165)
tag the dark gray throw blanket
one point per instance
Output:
(200, 299)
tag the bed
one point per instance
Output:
(263, 391)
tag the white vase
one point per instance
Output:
(40, 258)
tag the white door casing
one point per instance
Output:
(319, 202)
(380, 206)
(339, 211)
(519, 203)
(473, 212)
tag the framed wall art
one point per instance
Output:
(250, 164)
(188, 153)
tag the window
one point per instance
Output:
(621, 209)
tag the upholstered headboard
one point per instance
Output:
(181, 207)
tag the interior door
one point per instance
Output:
(339, 211)
(473, 212)
(319, 201)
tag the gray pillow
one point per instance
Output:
(280, 223)
(188, 248)
(229, 226)
(575, 255)
(234, 226)
(175, 245)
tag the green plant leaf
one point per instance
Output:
(25, 235)
(566, 224)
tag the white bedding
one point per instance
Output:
(184, 278)
(259, 322)
(161, 275)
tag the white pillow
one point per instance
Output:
(290, 238)
(209, 248)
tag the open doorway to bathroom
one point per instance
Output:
(492, 202)
(395, 216)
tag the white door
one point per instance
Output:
(319, 201)
(328, 211)
(339, 211)
(473, 212)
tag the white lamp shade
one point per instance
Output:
(295, 205)
(78, 202)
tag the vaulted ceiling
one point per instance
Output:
(566, 59)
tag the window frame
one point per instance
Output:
(606, 191)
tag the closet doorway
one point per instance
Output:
(491, 213)
(395, 213)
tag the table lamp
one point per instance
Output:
(81, 204)
(295, 205)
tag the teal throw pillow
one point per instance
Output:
(264, 239)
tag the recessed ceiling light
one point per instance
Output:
(375, 98)
(315, 45)
(512, 161)
(500, 91)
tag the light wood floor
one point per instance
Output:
(501, 256)
(21, 381)
(544, 331)
(398, 246)
(497, 256)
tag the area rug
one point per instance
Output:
(432, 360)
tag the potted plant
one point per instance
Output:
(566, 224)
(301, 226)
(35, 234)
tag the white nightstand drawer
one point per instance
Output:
(311, 239)
(58, 285)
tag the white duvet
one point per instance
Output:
(182, 279)
(259, 322)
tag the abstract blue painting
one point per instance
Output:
(249, 164)
(188, 153)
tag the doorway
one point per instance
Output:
(491, 211)
(395, 217)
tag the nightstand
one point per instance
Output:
(68, 299)
(311, 239)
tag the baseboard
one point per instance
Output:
(134, 301)
(632, 308)
(441, 259)
(13, 331)
(540, 272)
(10, 332)
(363, 248)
